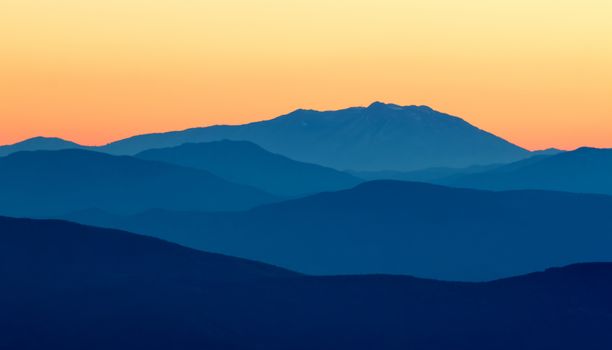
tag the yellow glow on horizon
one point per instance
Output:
(538, 72)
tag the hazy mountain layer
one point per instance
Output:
(586, 170)
(38, 144)
(45, 183)
(378, 137)
(246, 163)
(399, 228)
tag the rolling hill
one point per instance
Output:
(248, 164)
(585, 170)
(47, 183)
(38, 144)
(75, 287)
(399, 228)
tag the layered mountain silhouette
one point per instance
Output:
(587, 170)
(378, 137)
(547, 152)
(75, 287)
(246, 163)
(446, 175)
(44, 183)
(38, 144)
(399, 228)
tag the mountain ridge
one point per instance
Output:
(38, 143)
(70, 286)
(378, 137)
(584, 170)
(46, 183)
(246, 163)
(397, 227)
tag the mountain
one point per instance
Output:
(374, 138)
(46, 183)
(547, 152)
(585, 170)
(246, 163)
(75, 287)
(38, 144)
(397, 227)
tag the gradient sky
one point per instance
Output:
(537, 72)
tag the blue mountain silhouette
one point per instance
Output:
(586, 170)
(44, 183)
(399, 228)
(38, 144)
(75, 287)
(246, 163)
(378, 137)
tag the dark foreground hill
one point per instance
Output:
(66, 286)
(585, 170)
(400, 228)
(246, 163)
(378, 137)
(56, 182)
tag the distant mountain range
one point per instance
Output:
(374, 138)
(398, 228)
(378, 137)
(75, 287)
(43, 183)
(306, 250)
(246, 163)
(585, 170)
(38, 144)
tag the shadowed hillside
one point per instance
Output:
(398, 227)
(74, 287)
(246, 163)
(46, 183)
(585, 170)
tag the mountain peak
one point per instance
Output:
(38, 143)
(380, 136)
(377, 105)
(588, 149)
(382, 106)
(45, 140)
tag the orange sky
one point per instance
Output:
(537, 72)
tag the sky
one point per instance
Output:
(536, 72)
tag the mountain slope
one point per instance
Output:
(400, 228)
(246, 163)
(585, 170)
(73, 287)
(378, 137)
(45, 183)
(38, 144)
